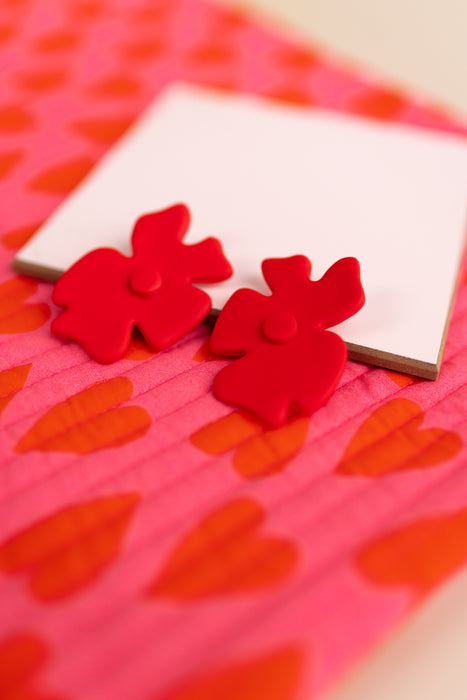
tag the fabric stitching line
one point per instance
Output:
(111, 446)
(369, 486)
(13, 457)
(66, 462)
(135, 395)
(372, 484)
(243, 527)
(54, 348)
(395, 430)
(82, 537)
(62, 344)
(266, 430)
(108, 409)
(200, 468)
(164, 417)
(88, 360)
(305, 585)
(180, 345)
(152, 456)
(147, 458)
(401, 466)
(42, 379)
(324, 435)
(337, 559)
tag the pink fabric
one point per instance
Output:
(104, 635)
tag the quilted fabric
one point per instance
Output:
(153, 543)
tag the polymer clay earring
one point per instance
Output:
(289, 362)
(107, 294)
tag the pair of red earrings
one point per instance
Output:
(288, 361)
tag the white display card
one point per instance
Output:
(273, 181)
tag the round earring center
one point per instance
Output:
(145, 281)
(280, 327)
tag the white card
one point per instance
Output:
(273, 181)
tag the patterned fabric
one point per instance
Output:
(153, 543)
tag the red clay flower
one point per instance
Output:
(290, 362)
(107, 294)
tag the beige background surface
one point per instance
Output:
(420, 44)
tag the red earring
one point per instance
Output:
(107, 294)
(289, 362)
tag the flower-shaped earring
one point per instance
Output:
(107, 294)
(289, 362)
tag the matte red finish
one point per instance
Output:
(107, 294)
(290, 362)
